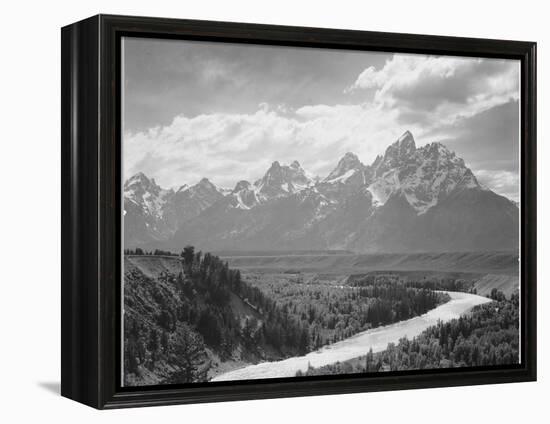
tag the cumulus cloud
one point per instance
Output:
(440, 90)
(230, 147)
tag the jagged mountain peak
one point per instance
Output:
(347, 166)
(276, 166)
(423, 176)
(203, 188)
(350, 156)
(349, 161)
(205, 182)
(406, 139)
(140, 185)
(138, 178)
(280, 180)
(401, 150)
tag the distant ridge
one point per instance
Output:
(497, 263)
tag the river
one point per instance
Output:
(359, 344)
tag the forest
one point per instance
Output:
(432, 283)
(489, 335)
(334, 311)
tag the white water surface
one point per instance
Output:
(359, 344)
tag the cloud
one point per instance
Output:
(230, 147)
(436, 90)
(167, 78)
(489, 140)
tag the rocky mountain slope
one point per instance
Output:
(408, 200)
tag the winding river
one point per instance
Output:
(352, 347)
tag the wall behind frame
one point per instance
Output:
(30, 212)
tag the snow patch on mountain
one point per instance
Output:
(244, 196)
(342, 178)
(282, 180)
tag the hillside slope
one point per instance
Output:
(186, 320)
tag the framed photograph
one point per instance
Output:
(254, 211)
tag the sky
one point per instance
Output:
(225, 111)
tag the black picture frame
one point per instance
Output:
(91, 210)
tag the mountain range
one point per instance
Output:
(408, 200)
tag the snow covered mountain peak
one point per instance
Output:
(349, 170)
(281, 180)
(421, 175)
(141, 183)
(146, 194)
(295, 165)
(139, 186)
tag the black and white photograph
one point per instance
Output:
(291, 212)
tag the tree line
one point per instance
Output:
(138, 251)
(432, 283)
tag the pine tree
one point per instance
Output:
(187, 350)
